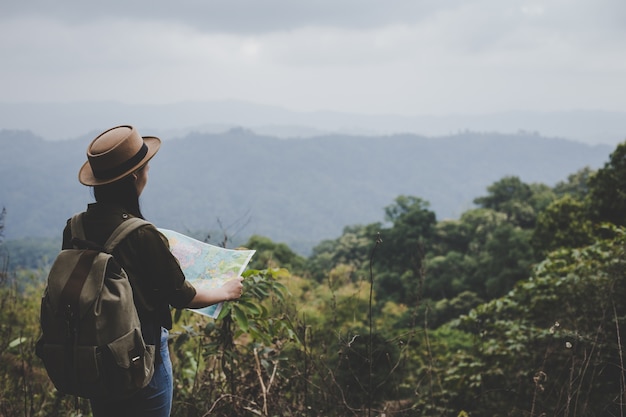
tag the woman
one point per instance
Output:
(117, 169)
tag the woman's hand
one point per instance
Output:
(231, 290)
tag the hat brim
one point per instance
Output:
(86, 177)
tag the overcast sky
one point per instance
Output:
(366, 56)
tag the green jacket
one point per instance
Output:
(154, 272)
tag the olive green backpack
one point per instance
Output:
(91, 342)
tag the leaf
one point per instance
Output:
(240, 318)
(259, 335)
(226, 307)
(250, 272)
(180, 340)
(177, 315)
(252, 308)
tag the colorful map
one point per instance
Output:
(205, 265)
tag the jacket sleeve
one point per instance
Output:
(146, 255)
(67, 236)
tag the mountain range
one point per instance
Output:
(297, 191)
(54, 120)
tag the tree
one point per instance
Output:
(576, 186)
(447, 275)
(607, 197)
(553, 343)
(507, 259)
(364, 385)
(3, 215)
(3, 256)
(452, 235)
(563, 224)
(404, 246)
(496, 255)
(353, 248)
(448, 309)
(518, 200)
(273, 255)
(412, 226)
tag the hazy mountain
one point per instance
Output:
(72, 120)
(293, 191)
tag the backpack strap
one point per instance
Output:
(76, 226)
(122, 231)
(79, 239)
(147, 328)
(150, 327)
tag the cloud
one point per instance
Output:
(403, 56)
(236, 16)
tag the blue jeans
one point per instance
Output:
(155, 400)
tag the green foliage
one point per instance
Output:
(576, 186)
(563, 224)
(446, 310)
(24, 386)
(31, 253)
(352, 248)
(486, 251)
(273, 255)
(482, 252)
(554, 343)
(403, 248)
(359, 384)
(517, 308)
(607, 198)
(3, 215)
(221, 362)
(513, 198)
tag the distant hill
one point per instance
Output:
(73, 119)
(297, 191)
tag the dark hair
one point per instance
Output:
(121, 192)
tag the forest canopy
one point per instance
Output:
(513, 309)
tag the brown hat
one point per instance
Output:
(115, 154)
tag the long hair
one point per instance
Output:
(121, 192)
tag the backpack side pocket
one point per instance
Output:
(132, 362)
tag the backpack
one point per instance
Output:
(91, 343)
